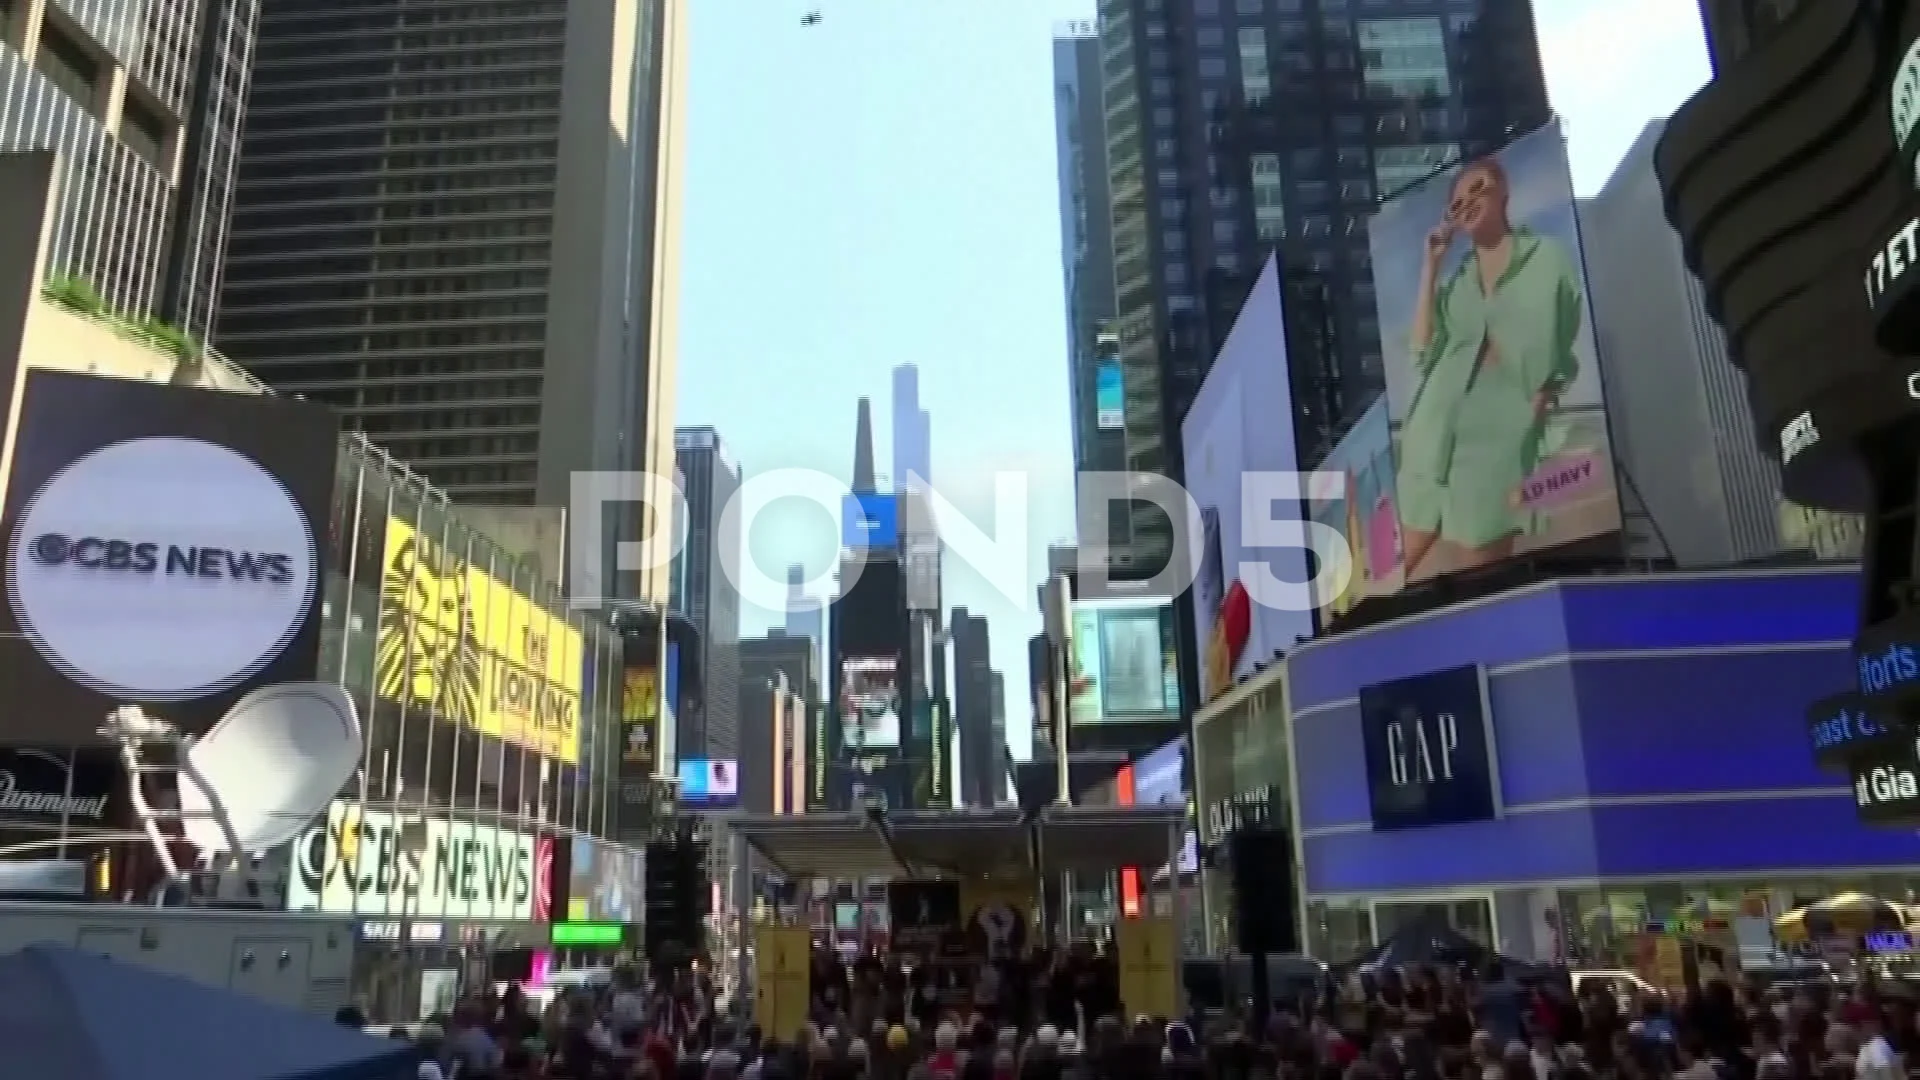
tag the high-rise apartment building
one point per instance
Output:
(458, 224)
(143, 102)
(1236, 127)
(1682, 430)
(982, 762)
(1086, 253)
(707, 595)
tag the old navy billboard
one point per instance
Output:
(1493, 378)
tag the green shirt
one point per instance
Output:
(1532, 316)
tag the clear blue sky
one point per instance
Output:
(880, 189)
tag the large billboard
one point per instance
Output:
(164, 545)
(1493, 380)
(1125, 661)
(372, 862)
(1353, 494)
(477, 651)
(1241, 422)
(869, 704)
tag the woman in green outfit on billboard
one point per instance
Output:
(1493, 350)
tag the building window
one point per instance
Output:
(1165, 148)
(1250, 7)
(1174, 240)
(1161, 88)
(1213, 67)
(1210, 37)
(1404, 57)
(1255, 82)
(1311, 192)
(144, 131)
(1397, 167)
(1224, 232)
(67, 64)
(1308, 161)
(1356, 191)
(1269, 198)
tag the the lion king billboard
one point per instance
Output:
(475, 650)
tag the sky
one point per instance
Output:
(881, 189)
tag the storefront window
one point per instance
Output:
(1240, 764)
(1339, 929)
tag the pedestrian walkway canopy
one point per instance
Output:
(964, 843)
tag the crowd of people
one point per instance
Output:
(1417, 1023)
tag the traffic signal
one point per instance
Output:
(676, 902)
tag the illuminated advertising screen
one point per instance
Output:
(1493, 380)
(1109, 396)
(709, 783)
(164, 545)
(455, 638)
(1240, 430)
(869, 704)
(639, 719)
(870, 520)
(1126, 661)
(1353, 495)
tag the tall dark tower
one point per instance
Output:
(863, 449)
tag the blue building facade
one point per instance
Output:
(1645, 749)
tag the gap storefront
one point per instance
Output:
(1576, 768)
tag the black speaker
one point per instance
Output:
(1265, 908)
(677, 899)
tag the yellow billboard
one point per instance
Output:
(455, 638)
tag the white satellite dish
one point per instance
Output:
(273, 764)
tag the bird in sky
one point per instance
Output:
(811, 18)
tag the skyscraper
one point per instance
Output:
(863, 474)
(982, 763)
(459, 225)
(912, 430)
(708, 596)
(994, 784)
(143, 104)
(1682, 430)
(1086, 253)
(1234, 129)
(806, 617)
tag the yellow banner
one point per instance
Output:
(456, 639)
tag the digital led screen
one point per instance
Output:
(869, 704)
(709, 783)
(870, 520)
(1126, 661)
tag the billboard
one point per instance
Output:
(709, 784)
(869, 704)
(605, 882)
(1493, 380)
(870, 519)
(1109, 396)
(475, 650)
(1430, 750)
(1354, 495)
(164, 545)
(363, 862)
(1125, 661)
(1242, 422)
(639, 720)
